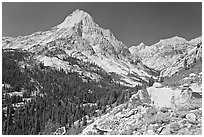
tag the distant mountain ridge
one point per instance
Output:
(168, 55)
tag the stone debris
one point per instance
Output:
(60, 131)
(136, 117)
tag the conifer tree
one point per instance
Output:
(151, 81)
(185, 64)
(84, 121)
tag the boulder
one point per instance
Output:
(186, 85)
(184, 97)
(142, 95)
(200, 109)
(183, 123)
(186, 78)
(157, 85)
(161, 97)
(196, 87)
(165, 131)
(150, 132)
(200, 73)
(162, 117)
(168, 98)
(192, 75)
(191, 117)
(160, 129)
(164, 109)
(174, 127)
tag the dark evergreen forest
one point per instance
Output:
(56, 97)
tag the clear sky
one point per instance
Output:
(130, 23)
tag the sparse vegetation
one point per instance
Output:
(175, 80)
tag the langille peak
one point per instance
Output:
(76, 17)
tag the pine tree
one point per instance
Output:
(194, 60)
(151, 81)
(9, 119)
(200, 58)
(103, 109)
(185, 64)
(3, 123)
(37, 124)
(84, 121)
(161, 79)
(42, 65)
(121, 98)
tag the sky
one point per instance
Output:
(130, 22)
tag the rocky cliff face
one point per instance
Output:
(79, 36)
(168, 55)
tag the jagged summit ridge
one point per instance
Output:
(173, 40)
(168, 54)
(78, 16)
(134, 49)
(141, 45)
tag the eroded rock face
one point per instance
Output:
(161, 97)
(141, 95)
(168, 55)
(166, 97)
